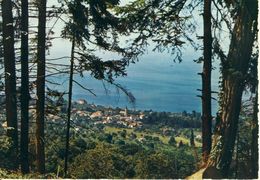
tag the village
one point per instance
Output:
(107, 115)
(129, 118)
(84, 113)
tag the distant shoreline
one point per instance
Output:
(75, 101)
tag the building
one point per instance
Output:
(97, 114)
(82, 101)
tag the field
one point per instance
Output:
(164, 139)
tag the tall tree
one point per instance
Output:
(69, 107)
(77, 30)
(10, 76)
(24, 88)
(192, 142)
(234, 68)
(40, 82)
(206, 82)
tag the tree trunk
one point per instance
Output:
(206, 83)
(40, 103)
(233, 83)
(24, 89)
(10, 77)
(69, 108)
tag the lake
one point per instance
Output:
(156, 82)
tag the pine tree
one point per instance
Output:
(10, 77)
(172, 141)
(90, 21)
(234, 69)
(24, 89)
(40, 83)
(206, 82)
(192, 142)
(69, 107)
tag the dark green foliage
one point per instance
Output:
(88, 18)
(133, 136)
(131, 161)
(149, 138)
(123, 167)
(93, 25)
(6, 152)
(106, 137)
(172, 141)
(177, 121)
(242, 158)
(157, 139)
(154, 166)
(180, 144)
(93, 157)
(130, 149)
(55, 152)
(100, 126)
(168, 164)
(186, 133)
(102, 69)
(120, 142)
(150, 145)
(89, 155)
(95, 163)
(185, 162)
(123, 133)
(192, 142)
(151, 19)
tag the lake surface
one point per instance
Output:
(156, 82)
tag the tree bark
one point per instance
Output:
(40, 103)
(233, 83)
(69, 108)
(206, 83)
(10, 77)
(24, 89)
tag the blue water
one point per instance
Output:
(156, 82)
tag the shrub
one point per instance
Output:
(95, 163)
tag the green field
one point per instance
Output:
(164, 139)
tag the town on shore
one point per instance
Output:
(130, 118)
(83, 112)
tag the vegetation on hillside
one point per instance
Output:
(37, 135)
